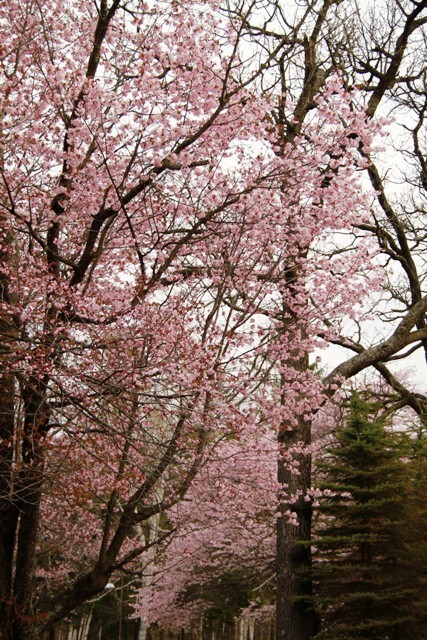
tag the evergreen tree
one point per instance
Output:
(360, 546)
(414, 570)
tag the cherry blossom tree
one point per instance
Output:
(118, 123)
(224, 529)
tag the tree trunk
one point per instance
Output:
(24, 624)
(19, 509)
(295, 616)
(8, 511)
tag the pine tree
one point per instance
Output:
(414, 570)
(360, 546)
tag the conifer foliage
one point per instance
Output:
(360, 550)
(415, 533)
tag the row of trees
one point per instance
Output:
(184, 221)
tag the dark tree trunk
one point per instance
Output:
(20, 495)
(8, 510)
(25, 623)
(295, 616)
